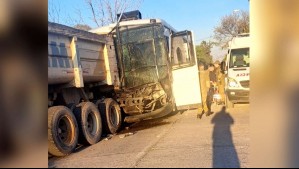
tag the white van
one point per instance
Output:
(236, 67)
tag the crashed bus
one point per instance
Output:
(133, 70)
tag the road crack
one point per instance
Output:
(148, 148)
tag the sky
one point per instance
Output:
(200, 16)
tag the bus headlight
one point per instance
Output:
(232, 83)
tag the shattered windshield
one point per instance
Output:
(144, 55)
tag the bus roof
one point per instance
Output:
(140, 22)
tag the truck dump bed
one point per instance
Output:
(95, 55)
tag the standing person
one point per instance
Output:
(204, 88)
(220, 80)
(211, 92)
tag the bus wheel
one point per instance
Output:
(89, 122)
(111, 114)
(62, 131)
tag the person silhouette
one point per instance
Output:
(224, 152)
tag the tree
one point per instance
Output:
(230, 26)
(54, 12)
(203, 52)
(105, 12)
(82, 27)
(102, 12)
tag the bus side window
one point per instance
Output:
(179, 55)
(182, 50)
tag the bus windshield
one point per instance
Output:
(239, 58)
(144, 55)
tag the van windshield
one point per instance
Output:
(239, 58)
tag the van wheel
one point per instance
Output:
(228, 103)
(111, 114)
(62, 131)
(89, 122)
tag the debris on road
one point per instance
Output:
(109, 137)
(126, 134)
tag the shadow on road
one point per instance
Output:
(156, 122)
(224, 151)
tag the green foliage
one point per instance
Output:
(230, 26)
(203, 52)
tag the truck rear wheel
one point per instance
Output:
(62, 131)
(111, 114)
(89, 122)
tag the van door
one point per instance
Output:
(186, 89)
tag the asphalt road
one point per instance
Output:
(179, 140)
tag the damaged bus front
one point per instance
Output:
(145, 72)
(143, 49)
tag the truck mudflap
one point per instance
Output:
(163, 111)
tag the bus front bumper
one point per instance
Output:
(238, 95)
(154, 114)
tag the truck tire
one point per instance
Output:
(62, 131)
(228, 103)
(89, 123)
(111, 114)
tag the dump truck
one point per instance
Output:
(133, 70)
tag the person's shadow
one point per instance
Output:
(224, 151)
